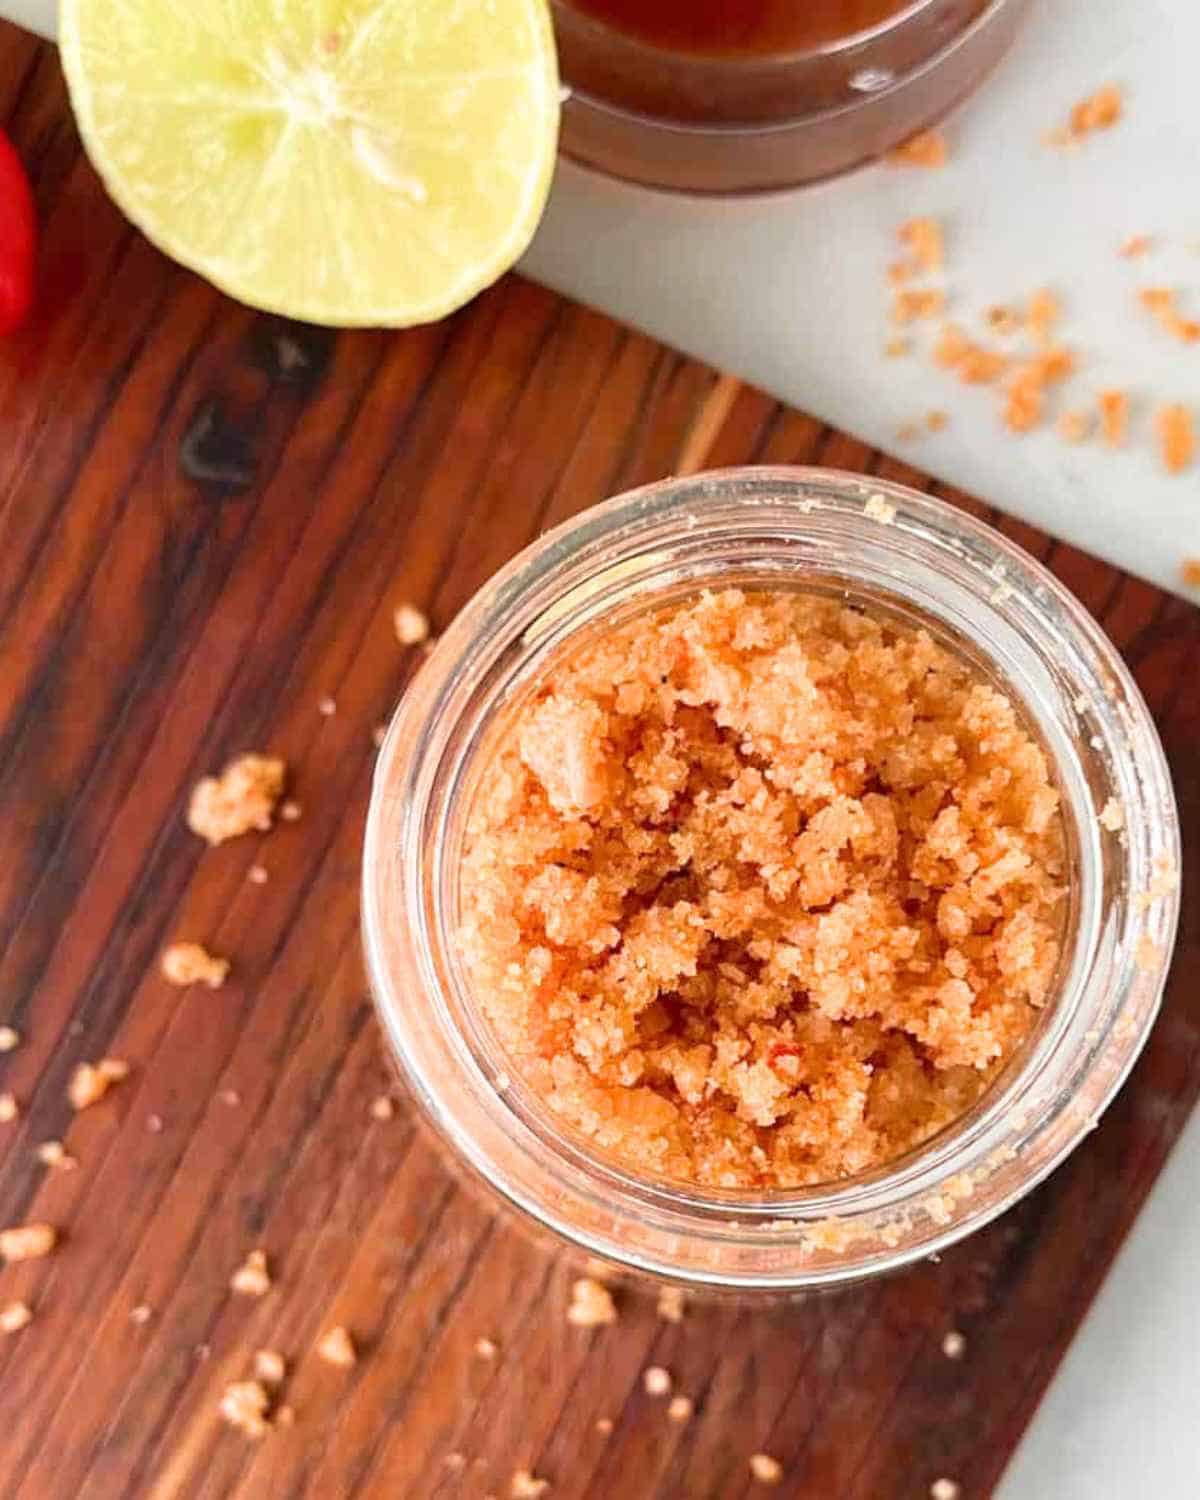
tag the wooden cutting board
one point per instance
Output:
(208, 517)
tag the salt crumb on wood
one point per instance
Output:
(244, 1405)
(526, 1486)
(9, 1108)
(15, 1316)
(269, 1366)
(91, 1081)
(954, 1345)
(240, 800)
(671, 1304)
(592, 1304)
(765, 1469)
(411, 624)
(27, 1242)
(680, 1408)
(253, 1277)
(10, 1038)
(944, 1489)
(656, 1381)
(336, 1347)
(188, 963)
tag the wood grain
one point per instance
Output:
(208, 517)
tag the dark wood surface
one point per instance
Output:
(207, 518)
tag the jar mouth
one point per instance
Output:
(791, 528)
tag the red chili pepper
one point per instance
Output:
(18, 237)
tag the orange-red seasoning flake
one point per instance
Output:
(1099, 111)
(974, 364)
(926, 149)
(1160, 302)
(907, 307)
(1189, 571)
(1176, 437)
(1114, 416)
(923, 237)
(1043, 314)
(1135, 246)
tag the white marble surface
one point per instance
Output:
(787, 292)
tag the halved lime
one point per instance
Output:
(343, 161)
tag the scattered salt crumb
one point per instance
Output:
(9, 1108)
(897, 348)
(1189, 571)
(154, 1124)
(671, 1303)
(55, 1154)
(382, 1108)
(140, 1314)
(1074, 426)
(925, 149)
(192, 963)
(604, 1425)
(656, 1381)
(9, 1038)
(1114, 416)
(337, 1347)
(1112, 815)
(327, 707)
(15, 1316)
(1176, 437)
(1136, 245)
(290, 810)
(90, 1082)
(455, 1462)
(378, 735)
(908, 432)
(412, 625)
(270, 1366)
(257, 875)
(244, 1406)
(231, 1097)
(765, 1469)
(241, 799)
(285, 1417)
(27, 1242)
(1082, 704)
(525, 1486)
(944, 1489)
(954, 1345)
(202, 1351)
(935, 421)
(909, 305)
(253, 1277)
(486, 1348)
(591, 1304)
(680, 1408)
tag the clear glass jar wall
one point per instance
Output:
(904, 553)
(749, 124)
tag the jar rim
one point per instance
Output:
(858, 528)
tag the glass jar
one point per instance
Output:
(744, 124)
(898, 552)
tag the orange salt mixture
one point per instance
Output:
(760, 891)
